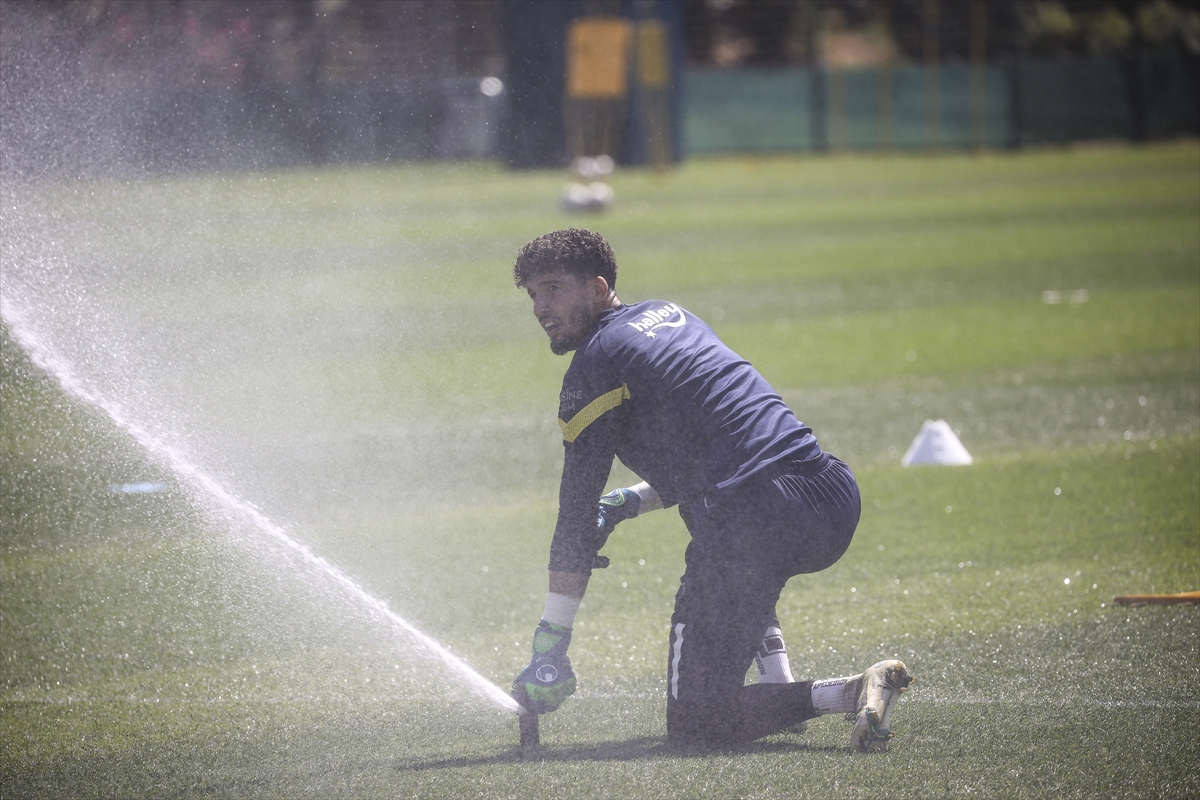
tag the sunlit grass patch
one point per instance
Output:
(952, 337)
(343, 348)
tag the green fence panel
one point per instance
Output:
(1062, 102)
(1023, 103)
(765, 110)
(950, 123)
(746, 110)
(1171, 83)
(854, 121)
(956, 120)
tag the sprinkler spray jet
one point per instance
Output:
(235, 508)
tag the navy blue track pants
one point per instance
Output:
(745, 546)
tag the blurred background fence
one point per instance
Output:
(118, 86)
(1011, 105)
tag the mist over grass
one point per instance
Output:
(343, 348)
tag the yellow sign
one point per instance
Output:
(654, 65)
(598, 57)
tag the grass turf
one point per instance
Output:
(343, 348)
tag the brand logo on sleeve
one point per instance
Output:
(668, 316)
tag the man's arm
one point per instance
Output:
(549, 679)
(573, 585)
(650, 499)
(620, 505)
(588, 439)
(570, 584)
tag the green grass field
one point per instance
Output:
(344, 350)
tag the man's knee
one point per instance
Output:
(738, 717)
(700, 724)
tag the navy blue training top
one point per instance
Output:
(654, 386)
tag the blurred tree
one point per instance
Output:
(1048, 28)
(1106, 32)
(732, 32)
(1161, 23)
(777, 32)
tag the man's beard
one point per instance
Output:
(578, 320)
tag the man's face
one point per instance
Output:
(565, 307)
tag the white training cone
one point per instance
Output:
(936, 444)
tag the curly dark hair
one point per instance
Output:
(578, 252)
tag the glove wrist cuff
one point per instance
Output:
(561, 609)
(633, 501)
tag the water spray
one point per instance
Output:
(235, 507)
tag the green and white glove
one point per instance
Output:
(549, 679)
(616, 506)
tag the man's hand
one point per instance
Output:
(549, 679)
(616, 506)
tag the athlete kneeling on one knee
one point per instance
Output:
(651, 384)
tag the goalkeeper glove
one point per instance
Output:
(549, 679)
(616, 506)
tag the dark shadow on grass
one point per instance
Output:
(644, 748)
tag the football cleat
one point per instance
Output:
(878, 690)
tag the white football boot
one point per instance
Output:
(771, 661)
(878, 690)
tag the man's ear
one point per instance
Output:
(599, 289)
